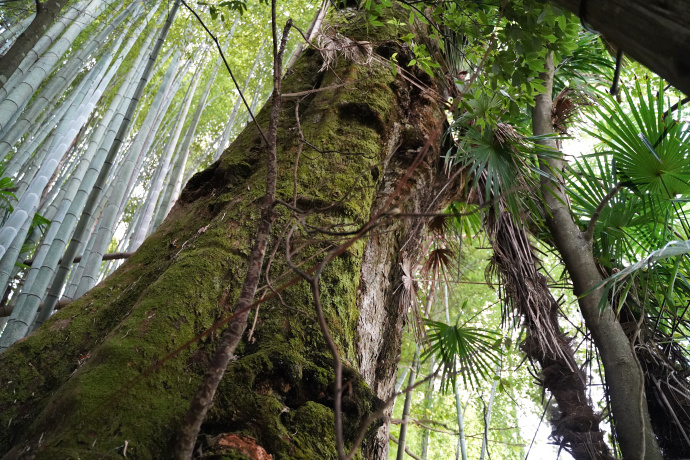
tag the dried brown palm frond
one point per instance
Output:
(439, 260)
(668, 399)
(439, 226)
(506, 135)
(332, 44)
(567, 105)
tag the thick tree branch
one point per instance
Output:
(634, 431)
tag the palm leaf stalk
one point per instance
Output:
(488, 409)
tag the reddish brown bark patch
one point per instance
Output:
(244, 444)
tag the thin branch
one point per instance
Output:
(233, 334)
(77, 259)
(589, 232)
(227, 66)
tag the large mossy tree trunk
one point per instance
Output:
(85, 386)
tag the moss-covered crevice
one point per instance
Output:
(88, 382)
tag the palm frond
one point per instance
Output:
(472, 353)
(651, 150)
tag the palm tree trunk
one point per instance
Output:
(487, 415)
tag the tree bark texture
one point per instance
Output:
(85, 385)
(623, 374)
(45, 16)
(653, 32)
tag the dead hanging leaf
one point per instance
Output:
(439, 225)
(243, 444)
(438, 260)
(565, 106)
(331, 44)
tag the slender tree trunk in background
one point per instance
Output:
(171, 289)
(461, 448)
(47, 13)
(487, 415)
(404, 425)
(145, 227)
(623, 375)
(23, 316)
(427, 405)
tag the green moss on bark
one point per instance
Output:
(84, 384)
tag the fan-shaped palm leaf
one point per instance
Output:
(470, 352)
(651, 149)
